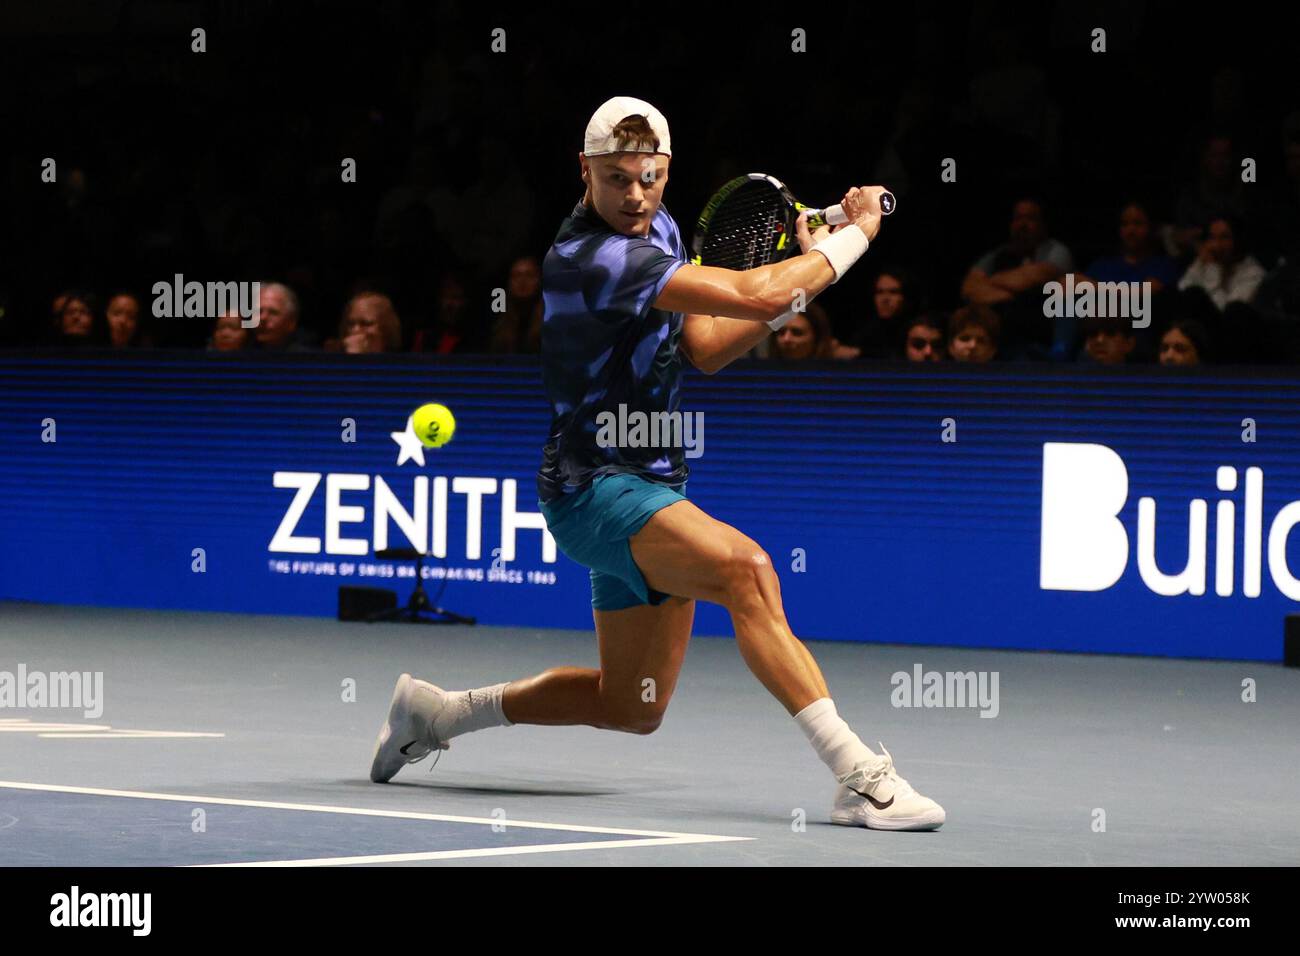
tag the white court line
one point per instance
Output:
(24, 726)
(129, 735)
(55, 731)
(485, 851)
(650, 837)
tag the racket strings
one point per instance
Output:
(744, 230)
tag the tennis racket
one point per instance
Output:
(750, 222)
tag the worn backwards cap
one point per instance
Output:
(600, 140)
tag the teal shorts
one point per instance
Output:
(593, 527)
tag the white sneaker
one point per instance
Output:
(408, 736)
(875, 796)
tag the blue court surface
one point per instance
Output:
(78, 827)
(246, 740)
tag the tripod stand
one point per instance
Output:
(418, 605)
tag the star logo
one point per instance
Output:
(409, 444)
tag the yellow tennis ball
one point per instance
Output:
(434, 425)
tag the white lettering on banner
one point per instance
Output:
(424, 525)
(1083, 545)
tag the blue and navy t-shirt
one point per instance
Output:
(604, 344)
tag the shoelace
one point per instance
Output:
(425, 754)
(870, 776)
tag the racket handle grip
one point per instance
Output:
(834, 215)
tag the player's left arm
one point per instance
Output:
(712, 342)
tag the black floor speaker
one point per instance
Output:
(357, 604)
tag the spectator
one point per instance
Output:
(1011, 277)
(1216, 194)
(125, 328)
(519, 327)
(499, 203)
(56, 308)
(453, 330)
(1278, 296)
(806, 336)
(1184, 342)
(1289, 203)
(973, 334)
(1139, 258)
(923, 338)
(1222, 268)
(893, 302)
(229, 334)
(370, 325)
(77, 324)
(10, 330)
(1107, 340)
(277, 328)
(1024, 263)
(1280, 215)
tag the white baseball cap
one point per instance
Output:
(599, 140)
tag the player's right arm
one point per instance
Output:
(762, 294)
(759, 295)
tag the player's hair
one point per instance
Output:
(634, 132)
(975, 316)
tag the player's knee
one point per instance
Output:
(646, 725)
(748, 573)
(639, 722)
(636, 717)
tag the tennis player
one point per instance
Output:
(622, 309)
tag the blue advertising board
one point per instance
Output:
(1141, 511)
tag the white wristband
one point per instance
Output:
(780, 320)
(843, 248)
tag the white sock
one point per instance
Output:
(469, 710)
(836, 744)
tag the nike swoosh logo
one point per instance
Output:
(872, 800)
(414, 743)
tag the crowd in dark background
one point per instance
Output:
(226, 165)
